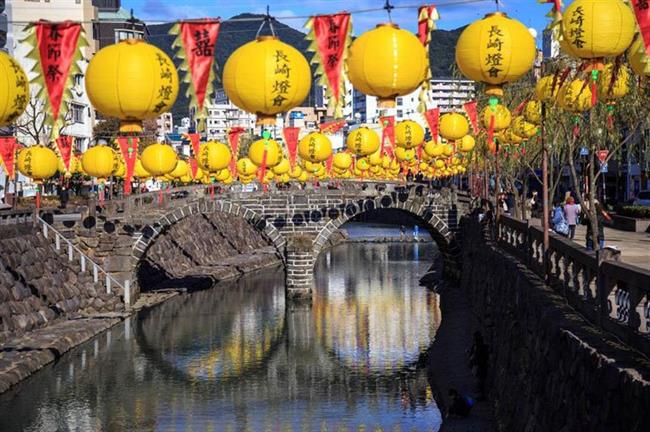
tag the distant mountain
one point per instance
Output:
(234, 34)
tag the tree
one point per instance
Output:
(33, 123)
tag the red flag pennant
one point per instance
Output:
(332, 126)
(387, 131)
(194, 167)
(490, 135)
(330, 34)
(129, 149)
(233, 139)
(262, 169)
(195, 140)
(328, 163)
(199, 40)
(426, 15)
(57, 44)
(642, 12)
(433, 118)
(291, 138)
(472, 112)
(64, 144)
(8, 154)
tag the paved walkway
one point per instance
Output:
(634, 246)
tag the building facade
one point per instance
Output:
(115, 24)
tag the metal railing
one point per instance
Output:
(611, 294)
(13, 217)
(85, 261)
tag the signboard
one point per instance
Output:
(584, 151)
(602, 155)
(296, 115)
(604, 168)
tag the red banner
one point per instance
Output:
(64, 144)
(195, 140)
(426, 16)
(199, 40)
(387, 131)
(57, 44)
(8, 154)
(129, 149)
(233, 140)
(490, 135)
(433, 118)
(291, 138)
(329, 162)
(642, 11)
(332, 126)
(330, 33)
(194, 167)
(472, 112)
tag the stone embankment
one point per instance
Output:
(549, 369)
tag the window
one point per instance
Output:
(79, 144)
(78, 80)
(124, 34)
(77, 113)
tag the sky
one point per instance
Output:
(454, 13)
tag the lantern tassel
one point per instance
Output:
(263, 168)
(610, 116)
(576, 127)
(38, 197)
(594, 87)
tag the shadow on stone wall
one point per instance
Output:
(203, 249)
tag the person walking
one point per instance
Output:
(572, 215)
(601, 217)
(558, 220)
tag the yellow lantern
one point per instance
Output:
(408, 134)
(547, 88)
(433, 149)
(614, 84)
(133, 81)
(99, 162)
(270, 147)
(246, 167)
(213, 156)
(15, 89)
(315, 147)
(387, 62)
(453, 126)
(594, 29)
(119, 168)
(467, 144)
(342, 160)
(403, 154)
(303, 176)
(139, 171)
(638, 58)
(501, 114)
(222, 175)
(266, 77)
(447, 150)
(439, 163)
(362, 164)
(181, 169)
(295, 172)
(533, 112)
(37, 162)
(522, 128)
(363, 141)
(575, 96)
(282, 168)
(159, 159)
(495, 50)
(375, 158)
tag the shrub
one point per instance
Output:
(640, 212)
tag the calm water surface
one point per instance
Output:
(234, 358)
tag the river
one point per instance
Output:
(236, 358)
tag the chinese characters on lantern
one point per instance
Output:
(577, 30)
(166, 89)
(494, 56)
(20, 100)
(282, 72)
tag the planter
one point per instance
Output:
(626, 223)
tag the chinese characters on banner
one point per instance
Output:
(642, 12)
(291, 138)
(471, 110)
(331, 35)
(427, 16)
(64, 145)
(8, 154)
(57, 44)
(433, 119)
(129, 149)
(199, 39)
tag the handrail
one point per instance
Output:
(13, 217)
(608, 292)
(96, 268)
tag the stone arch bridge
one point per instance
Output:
(297, 222)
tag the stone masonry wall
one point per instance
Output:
(549, 369)
(39, 285)
(203, 249)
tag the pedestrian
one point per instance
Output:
(63, 196)
(572, 215)
(530, 205)
(478, 359)
(510, 202)
(601, 216)
(402, 232)
(558, 220)
(459, 406)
